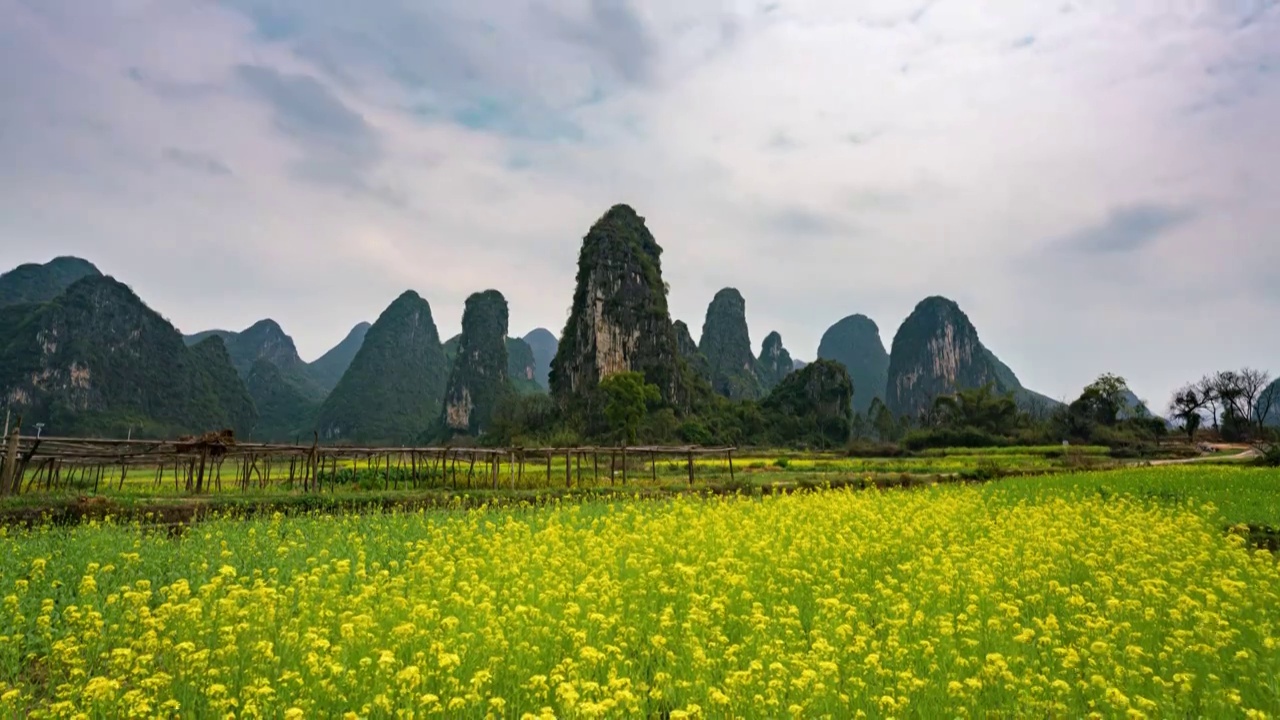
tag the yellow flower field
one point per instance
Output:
(935, 603)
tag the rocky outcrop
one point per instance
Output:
(619, 320)
(935, 352)
(544, 345)
(774, 362)
(478, 379)
(854, 342)
(96, 360)
(38, 283)
(327, 370)
(726, 344)
(394, 389)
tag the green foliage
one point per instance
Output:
(479, 378)
(726, 345)
(979, 408)
(327, 370)
(628, 398)
(35, 283)
(812, 406)
(522, 368)
(855, 343)
(965, 437)
(688, 350)
(393, 390)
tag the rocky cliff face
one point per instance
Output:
(394, 389)
(97, 360)
(479, 375)
(726, 343)
(327, 369)
(544, 345)
(774, 362)
(619, 320)
(855, 343)
(935, 352)
(522, 368)
(38, 283)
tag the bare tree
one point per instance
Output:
(1237, 392)
(1186, 406)
(1206, 388)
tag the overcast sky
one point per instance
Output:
(1096, 182)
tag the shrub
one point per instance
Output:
(949, 437)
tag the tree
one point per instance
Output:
(1186, 406)
(885, 425)
(980, 408)
(1102, 400)
(627, 400)
(1238, 392)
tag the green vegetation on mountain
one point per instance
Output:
(855, 343)
(38, 283)
(814, 403)
(266, 340)
(284, 414)
(327, 369)
(216, 389)
(543, 344)
(688, 350)
(726, 343)
(774, 362)
(394, 388)
(619, 320)
(522, 368)
(478, 380)
(96, 360)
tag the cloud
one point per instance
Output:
(196, 161)
(1126, 229)
(1088, 198)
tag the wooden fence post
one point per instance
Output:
(10, 460)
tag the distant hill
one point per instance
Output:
(394, 389)
(266, 340)
(726, 344)
(95, 360)
(284, 414)
(36, 283)
(1007, 381)
(774, 363)
(327, 370)
(543, 344)
(522, 368)
(855, 342)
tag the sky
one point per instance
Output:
(1093, 181)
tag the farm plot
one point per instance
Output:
(1049, 600)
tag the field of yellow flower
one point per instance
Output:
(941, 602)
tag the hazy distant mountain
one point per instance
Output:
(36, 283)
(327, 370)
(855, 342)
(543, 344)
(266, 340)
(726, 344)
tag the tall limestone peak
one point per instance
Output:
(326, 370)
(774, 362)
(726, 343)
(479, 375)
(37, 282)
(935, 352)
(619, 320)
(543, 344)
(855, 342)
(266, 340)
(96, 360)
(394, 388)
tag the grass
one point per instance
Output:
(1111, 593)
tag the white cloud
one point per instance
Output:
(941, 148)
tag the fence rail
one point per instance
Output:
(198, 465)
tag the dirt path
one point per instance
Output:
(1248, 454)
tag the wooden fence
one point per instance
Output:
(213, 462)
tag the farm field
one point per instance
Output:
(1111, 594)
